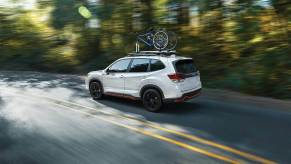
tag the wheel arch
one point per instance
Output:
(151, 86)
(95, 80)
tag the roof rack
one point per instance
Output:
(152, 53)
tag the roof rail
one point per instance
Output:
(152, 53)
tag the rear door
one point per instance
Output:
(138, 71)
(188, 70)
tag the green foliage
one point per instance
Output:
(241, 45)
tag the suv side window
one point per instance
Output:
(156, 65)
(139, 65)
(120, 66)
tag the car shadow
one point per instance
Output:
(182, 108)
(136, 106)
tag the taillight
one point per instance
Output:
(176, 77)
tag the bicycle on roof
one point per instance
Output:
(159, 38)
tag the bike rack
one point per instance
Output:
(153, 53)
(136, 47)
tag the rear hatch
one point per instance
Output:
(187, 70)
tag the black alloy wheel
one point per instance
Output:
(96, 90)
(152, 100)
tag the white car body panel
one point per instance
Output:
(131, 83)
(134, 82)
(113, 82)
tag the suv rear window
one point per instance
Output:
(185, 66)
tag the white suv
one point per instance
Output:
(153, 78)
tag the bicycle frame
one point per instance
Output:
(149, 38)
(157, 39)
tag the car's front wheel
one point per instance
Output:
(152, 100)
(96, 90)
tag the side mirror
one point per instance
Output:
(107, 72)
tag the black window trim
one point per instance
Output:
(130, 63)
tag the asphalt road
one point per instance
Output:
(50, 118)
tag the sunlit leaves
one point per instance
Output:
(257, 39)
(85, 12)
(239, 44)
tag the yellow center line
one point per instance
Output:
(213, 144)
(191, 137)
(157, 136)
(188, 136)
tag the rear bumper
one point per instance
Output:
(184, 97)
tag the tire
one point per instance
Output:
(152, 100)
(96, 90)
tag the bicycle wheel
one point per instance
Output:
(160, 40)
(172, 40)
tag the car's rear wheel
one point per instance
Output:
(152, 100)
(96, 90)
